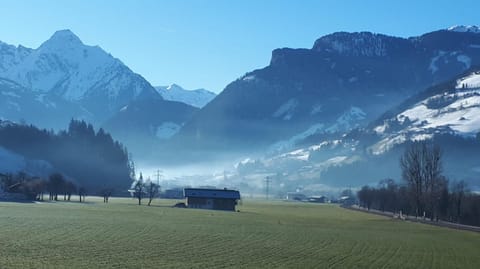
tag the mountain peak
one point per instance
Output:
(65, 34)
(174, 86)
(63, 38)
(465, 29)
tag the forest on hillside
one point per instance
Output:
(90, 159)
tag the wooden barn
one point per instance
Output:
(218, 199)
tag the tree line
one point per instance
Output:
(92, 158)
(424, 191)
(34, 188)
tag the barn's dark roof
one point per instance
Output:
(212, 193)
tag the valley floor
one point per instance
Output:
(273, 234)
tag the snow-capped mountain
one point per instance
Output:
(65, 67)
(303, 89)
(197, 98)
(64, 79)
(452, 108)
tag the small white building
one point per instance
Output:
(296, 196)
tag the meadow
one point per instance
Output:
(263, 234)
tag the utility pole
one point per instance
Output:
(267, 183)
(158, 176)
(158, 181)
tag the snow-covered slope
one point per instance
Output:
(350, 119)
(197, 98)
(18, 104)
(11, 56)
(452, 110)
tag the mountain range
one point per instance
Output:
(315, 116)
(344, 81)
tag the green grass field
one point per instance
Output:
(263, 235)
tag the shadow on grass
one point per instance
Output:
(18, 201)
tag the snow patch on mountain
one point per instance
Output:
(465, 29)
(299, 154)
(348, 120)
(248, 78)
(470, 81)
(10, 94)
(433, 67)
(467, 61)
(316, 109)
(388, 143)
(287, 110)
(290, 143)
(42, 99)
(197, 98)
(167, 130)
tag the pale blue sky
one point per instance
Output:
(209, 43)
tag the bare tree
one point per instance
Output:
(411, 165)
(70, 189)
(138, 187)
(432, 173)
(152, 190)
(82, 192)
(459, 189)
(421, 166)
(106, 193)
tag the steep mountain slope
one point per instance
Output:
(197, 98)
(304, 88)
(20, 104)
